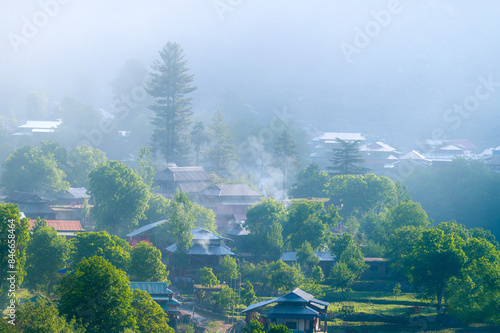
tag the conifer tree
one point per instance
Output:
(347, 159)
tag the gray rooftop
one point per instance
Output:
(292, 256)
(145, 228)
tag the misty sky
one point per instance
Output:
(423, 59)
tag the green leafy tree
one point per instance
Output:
(120, 197)
(146, 264)
(82, 160)
(146, 166)
(45, 255)
(224, 299)
(203, 217)
(228, 269)
(98, 294)
(308, 221)
(180, 225)
(54, 150)
(361, 193)
(169, 85)
(264, 221)
(150, 316)
(401, 243)
(317, 275)
(221, 151)
(285, 155)
(279, 329)
(36, 105)
(207, 277)
(254, 326)
(283, 277)
(407, 213)
(342, 277)
(89, 244)
(42, 316)
(309, 182)
(435, 259)
(28, 169)
(15, 237)
(159, 208)
(248, 294)
(199, 137)
(348, 252)
(306, 257)
(346, 159)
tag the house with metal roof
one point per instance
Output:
(207, 250)
(297, 310)
(66, 228)
(32, 205)
(326, 260)
(142, 234)
(163, 296)
(191, 179)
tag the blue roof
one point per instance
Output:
(296, 296)
(295, 312)
(292, 256)
(153, 288)
(145, 228)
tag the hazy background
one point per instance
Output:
(273, 54)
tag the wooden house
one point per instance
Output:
(186, 179)
(326, 260)
(377, 269)
(32, 205)
(66, 228)
(142, 234)
(297, 310)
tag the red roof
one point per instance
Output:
(61, 225)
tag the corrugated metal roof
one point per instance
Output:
(295, 296)
(23, 197)
(342, 136)
(232, 190)
(193, 187)
(295, 312)
(153, 288)
(35, 124)
(292, 256)
(145, 228)
(195, 173)
(61, 225)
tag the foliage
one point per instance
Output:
(462, 190)
(313, 288)
(89, 244)
(435, 259)
(228, 269)
(150, 316)
(120, 197)
(399, 246)
(36, 104)
(146, 167)
(45, 255)
(397, 290)
(99, 294)
(348, 252)
(53, 150)
(264, 221)
(308, 221)
(199, 137)
(407, 213)
(207, 277)
(180, 225)
(225, 298)
(346, 159)
(317, 274)
(248, 294)
(254, 326)
(158, 209)
(361, 193)
(221, 151)
(203, 217)
(373, 249)
(28, 169)
(169, 85)
(306, 257)
(82, 160)
(342, 277)
(309, 182)
(42, 316)
(285, 155)
(15, 237)
(279, 329)
(146, 264)
(284, 278)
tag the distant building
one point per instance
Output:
(37, 128)
(326, 260)
(297, 310)
(142, 234)
(32, 205)
(65, 228)
(377, 268)
(186, 179)
(377, 155)
(322, 151)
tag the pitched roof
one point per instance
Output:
(61, 225)
(238, 231)
(295, 296)
(156, 288)
(193, 187)
(292, 256)
(38, 124)
(23, 197)
(332, 136)
(75, 193)
(193, 173)
(145, 228)
(205, 249)
(231, 190)
(377, 146)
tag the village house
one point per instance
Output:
(65, 228)
(32, 205)
(160, 293)
(326, 260)
(322, 150)
(297, 310)
(142, 234)
(186, 179)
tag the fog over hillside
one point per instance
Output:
(389, 69)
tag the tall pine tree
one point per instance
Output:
(347, 159)
(222, 151)
(169, 85)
